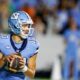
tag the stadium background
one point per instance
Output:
(51, 19)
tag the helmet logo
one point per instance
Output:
(15, 15)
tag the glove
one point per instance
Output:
(14, 64)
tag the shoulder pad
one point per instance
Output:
(31, 38)
(34, 41)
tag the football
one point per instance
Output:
(13, 65)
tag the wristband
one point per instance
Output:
(24, 69)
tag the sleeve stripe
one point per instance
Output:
(33, 54)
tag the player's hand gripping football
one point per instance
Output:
(14, 63)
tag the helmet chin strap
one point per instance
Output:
(22, 35)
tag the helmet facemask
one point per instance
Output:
(24, 33)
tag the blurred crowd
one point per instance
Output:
(61, 16)
(46, 14)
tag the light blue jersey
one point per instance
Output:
(72, 39)
(7, 49)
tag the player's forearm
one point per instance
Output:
(30, 73)
(1, 60)
(1, 63)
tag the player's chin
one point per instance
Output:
(24, 36)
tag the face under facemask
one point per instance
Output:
(23, 35)
(25, 32)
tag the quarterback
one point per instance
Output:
(18, 49)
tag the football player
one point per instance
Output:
(71, 36)
(18, 50)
